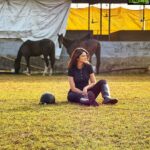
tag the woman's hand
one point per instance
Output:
(85, 91)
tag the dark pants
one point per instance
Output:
(100, 86)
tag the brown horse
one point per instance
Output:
(91, 45)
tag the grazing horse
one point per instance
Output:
(91, 45)
(44, 47)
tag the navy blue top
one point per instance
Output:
(81, 76)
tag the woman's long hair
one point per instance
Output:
(75, 55)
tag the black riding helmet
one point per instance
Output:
(47, 98)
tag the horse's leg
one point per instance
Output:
(98, 57)
(52, 59)
(28, 72)
(46, 65)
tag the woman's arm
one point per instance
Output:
(91, 84)
(72, 85)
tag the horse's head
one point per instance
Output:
(60, 40)
(17, 66)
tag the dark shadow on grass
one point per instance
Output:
(55, 104)
(62, 103)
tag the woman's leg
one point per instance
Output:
(102, 86)
(78, 98)
(74, 97)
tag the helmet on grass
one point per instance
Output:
(47, 98)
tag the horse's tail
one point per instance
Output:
(17, 61)
(19, 55)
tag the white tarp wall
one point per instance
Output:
(34, 19)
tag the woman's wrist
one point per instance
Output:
(85, 88)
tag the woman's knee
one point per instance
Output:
(73, 97)
(70, 97)
(101, 82)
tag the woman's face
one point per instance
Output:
(83, 58)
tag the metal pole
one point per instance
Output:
(89, 19)
(143, 19)
(100, 18)
(109, 20)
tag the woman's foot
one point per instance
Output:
(85, 101)
(92, 100)
(109, 101)
(91, 96)
(94, 103)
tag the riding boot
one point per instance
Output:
(106, 95)
(92, 99)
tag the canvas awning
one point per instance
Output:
(34, 20)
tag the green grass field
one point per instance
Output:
(25, 125)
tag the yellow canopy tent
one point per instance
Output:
(121, 19)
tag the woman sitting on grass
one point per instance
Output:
(83, 86)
